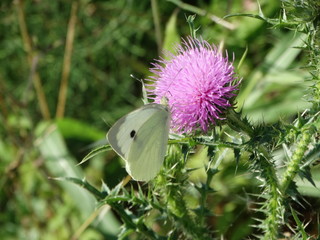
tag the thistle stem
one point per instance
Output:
(268, 173)
(235, 122)
(297, 157)
(177, 207)
(273, 204)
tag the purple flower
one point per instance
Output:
(198, 83)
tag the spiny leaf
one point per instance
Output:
(299, 224)
(237, 155)
(306, 173)
(95, 152)
(84, 184)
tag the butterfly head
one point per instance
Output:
(164, 101)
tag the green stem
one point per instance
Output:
(193, 30)
(139, 228)
(235, 122)
(273, 204)
(172, 186)
(177, 207)
(293, 166)
(157, 25)
(266, 167)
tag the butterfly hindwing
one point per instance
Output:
(140, 138)
(149, 148)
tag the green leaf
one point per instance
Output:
(299, 224)
(274, 90)
(306, 188)
(306, 173)
(95, 152)
(72, 128)
(60, 163)
(171, 35)
(84, 184)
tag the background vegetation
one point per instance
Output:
(65, 78)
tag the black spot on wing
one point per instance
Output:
(133, 133)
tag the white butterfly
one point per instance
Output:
(141, 139)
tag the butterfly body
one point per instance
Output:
(141, 138)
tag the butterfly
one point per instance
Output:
(141, 139)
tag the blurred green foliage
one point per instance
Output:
(112, 40)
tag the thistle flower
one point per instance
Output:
(198, 83)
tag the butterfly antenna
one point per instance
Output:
(173, 81)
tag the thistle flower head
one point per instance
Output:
(198, 83)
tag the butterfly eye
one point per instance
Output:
(132, 133)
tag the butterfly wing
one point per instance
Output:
(143, 154)
(149, 146)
